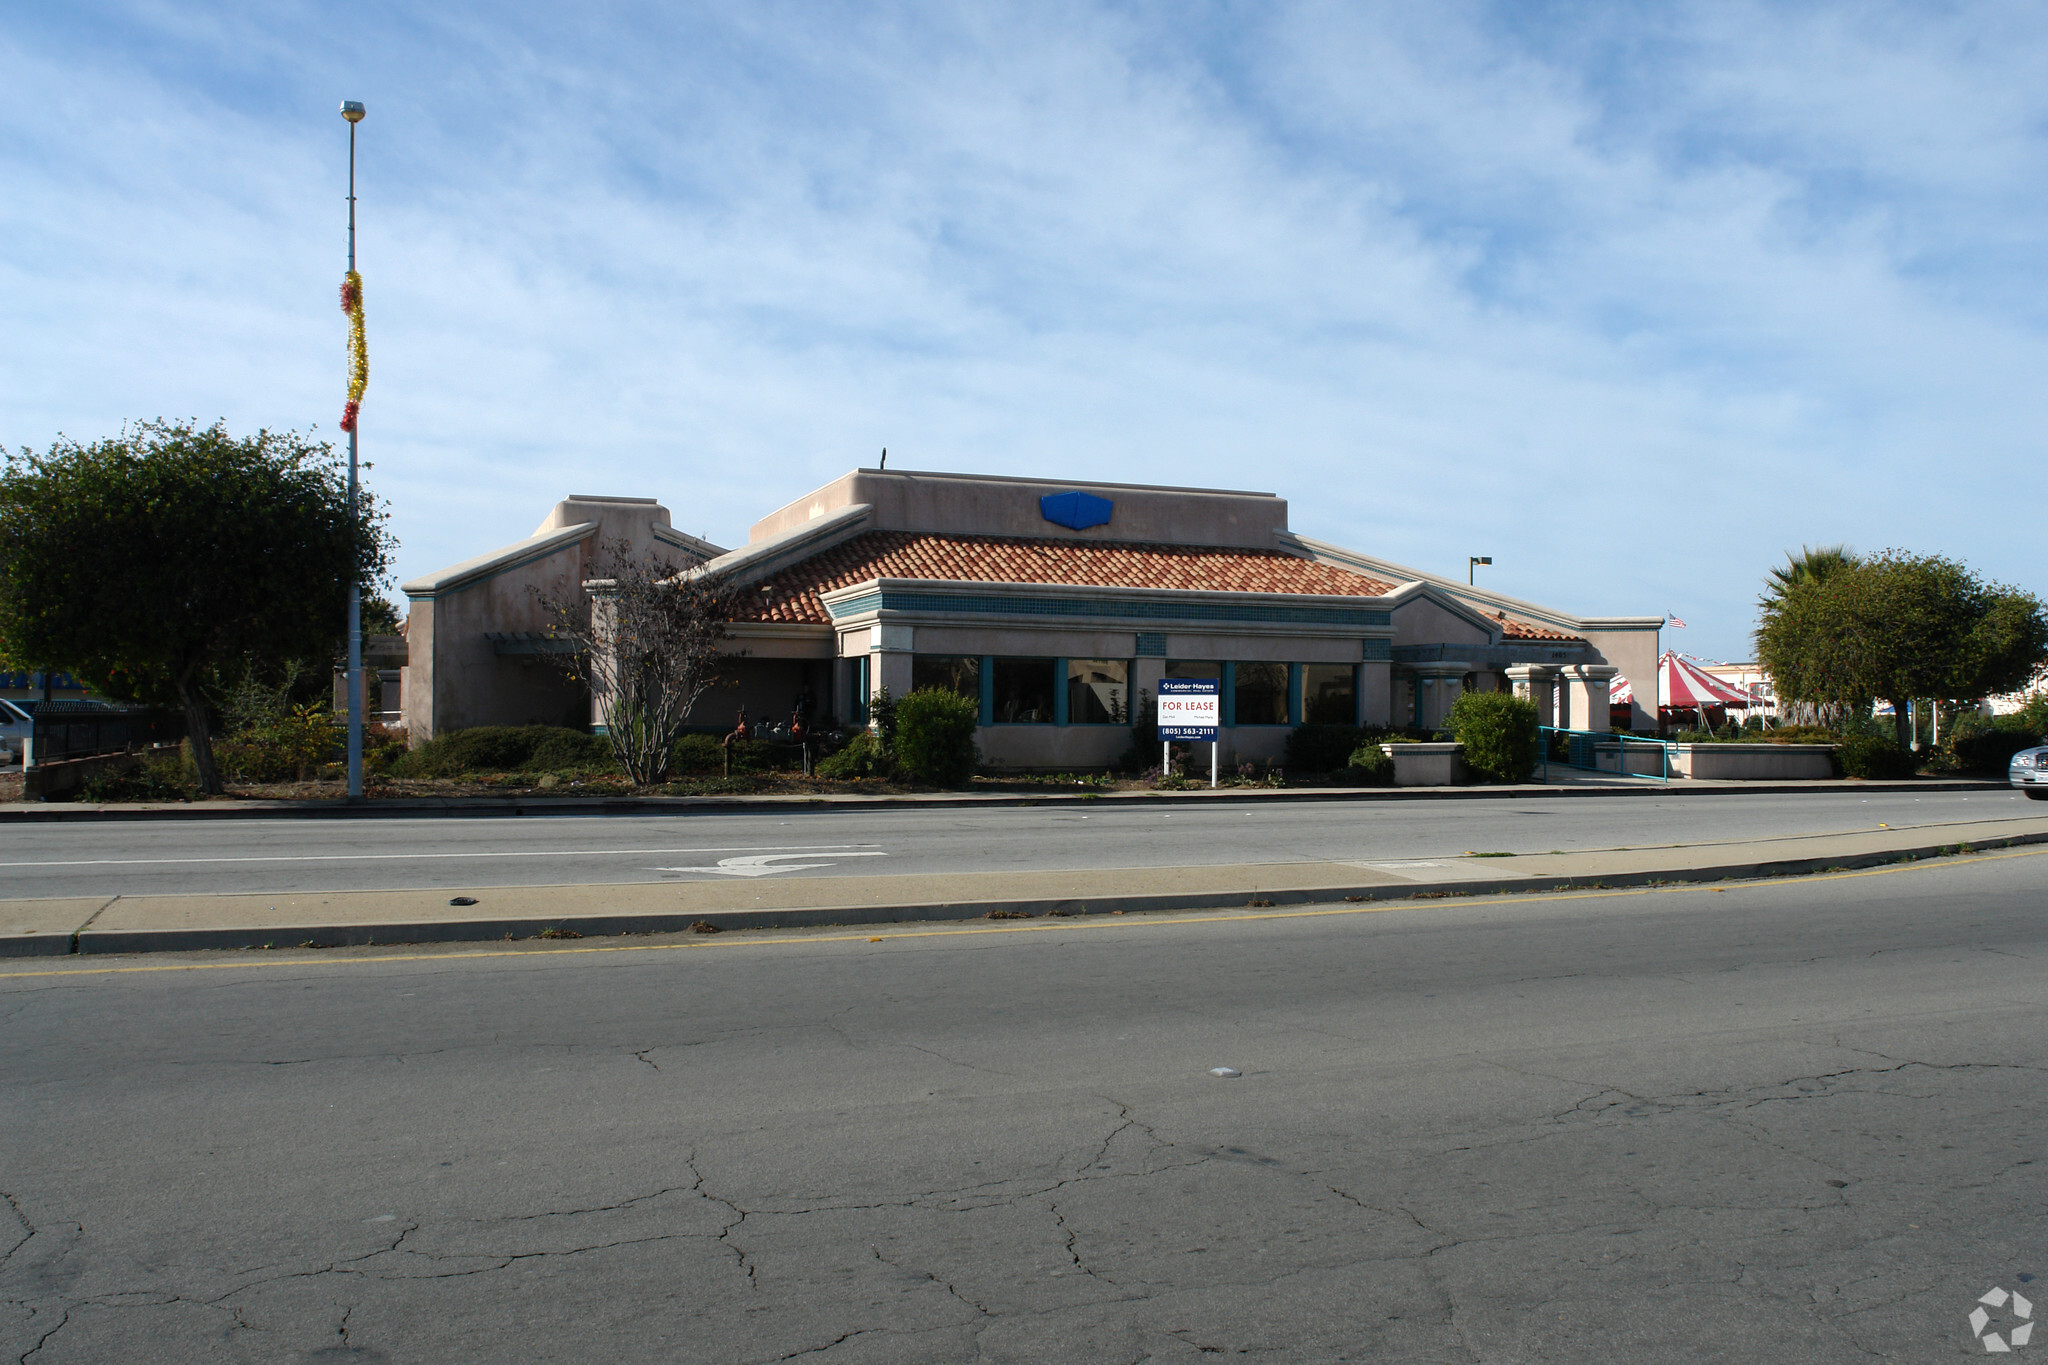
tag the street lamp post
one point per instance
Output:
(1471, 563)
(353, 111)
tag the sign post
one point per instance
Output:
(1189, 709)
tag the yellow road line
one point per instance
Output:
(1143, 919)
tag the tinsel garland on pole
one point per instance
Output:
(358, 348)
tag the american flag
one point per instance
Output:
(1671, 620)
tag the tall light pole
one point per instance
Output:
(353, 111)
(1472, 562)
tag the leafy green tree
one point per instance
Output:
(1895, 627)
(149, 563)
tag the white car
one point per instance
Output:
(15, 726)
(2029, 772)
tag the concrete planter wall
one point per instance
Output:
(1753, 762)
(45, 781)
(1644, 760)
(1426, 765)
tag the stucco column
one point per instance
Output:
(1586, 687)
(1376, 693)
(890, 649)
(1537, 682)
(1440, 684)
(1146, 672)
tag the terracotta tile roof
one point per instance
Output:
(1081, 563)
(1511, 629)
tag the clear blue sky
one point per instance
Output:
(1632, 298)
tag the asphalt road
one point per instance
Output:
(177, 856)
(1782, 1121)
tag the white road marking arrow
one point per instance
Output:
(768, 864)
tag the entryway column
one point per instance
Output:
(1537, 682)
(1586, 689)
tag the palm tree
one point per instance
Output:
(1813, 564)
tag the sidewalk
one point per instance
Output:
(1562, 783)
(124, 924)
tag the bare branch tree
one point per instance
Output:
(648, 642)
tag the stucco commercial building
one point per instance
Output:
(1058, 606)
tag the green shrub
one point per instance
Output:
(935, 736)
(251, 760)
(382, 747)
(1499, 732)
(863, 756)
(1324, 748)
(696, 753)
(560, 749)
(159, 779)
(1988, 750)
(1369, 766)
(505, 749)
(1875, 756)
(882, 712)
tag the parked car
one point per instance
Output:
(15, 727)
(2029, 772)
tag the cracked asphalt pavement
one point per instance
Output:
(1777, 1121)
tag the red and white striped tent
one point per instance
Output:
(1681, 682)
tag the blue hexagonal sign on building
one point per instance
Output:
(1076, 510)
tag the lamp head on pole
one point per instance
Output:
(352, 110)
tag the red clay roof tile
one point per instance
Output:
(1084, 563)
(796, 590)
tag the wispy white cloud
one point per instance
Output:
(1632, 302)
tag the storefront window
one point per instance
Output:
(1327, 694)
(1024, 691)
(959, 673)
(1098, 692)
(1261, 694)
(1194, 668)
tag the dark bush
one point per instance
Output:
(1369, 766)
(863, 756)
(882, 711)
(241, 760)
(1499, 732)
(1323, 748)
(560, 749)
(935, 736)
(697, 754)
(504, 749)
(1989, 751)
(1875, 756)
(160, 779)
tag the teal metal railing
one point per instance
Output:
(1582, 749)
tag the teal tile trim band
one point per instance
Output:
(1112, 608)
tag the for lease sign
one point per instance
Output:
(1189, 708)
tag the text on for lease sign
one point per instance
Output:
(1190, 708)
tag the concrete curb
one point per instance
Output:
(90, 942)
(505, 807)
